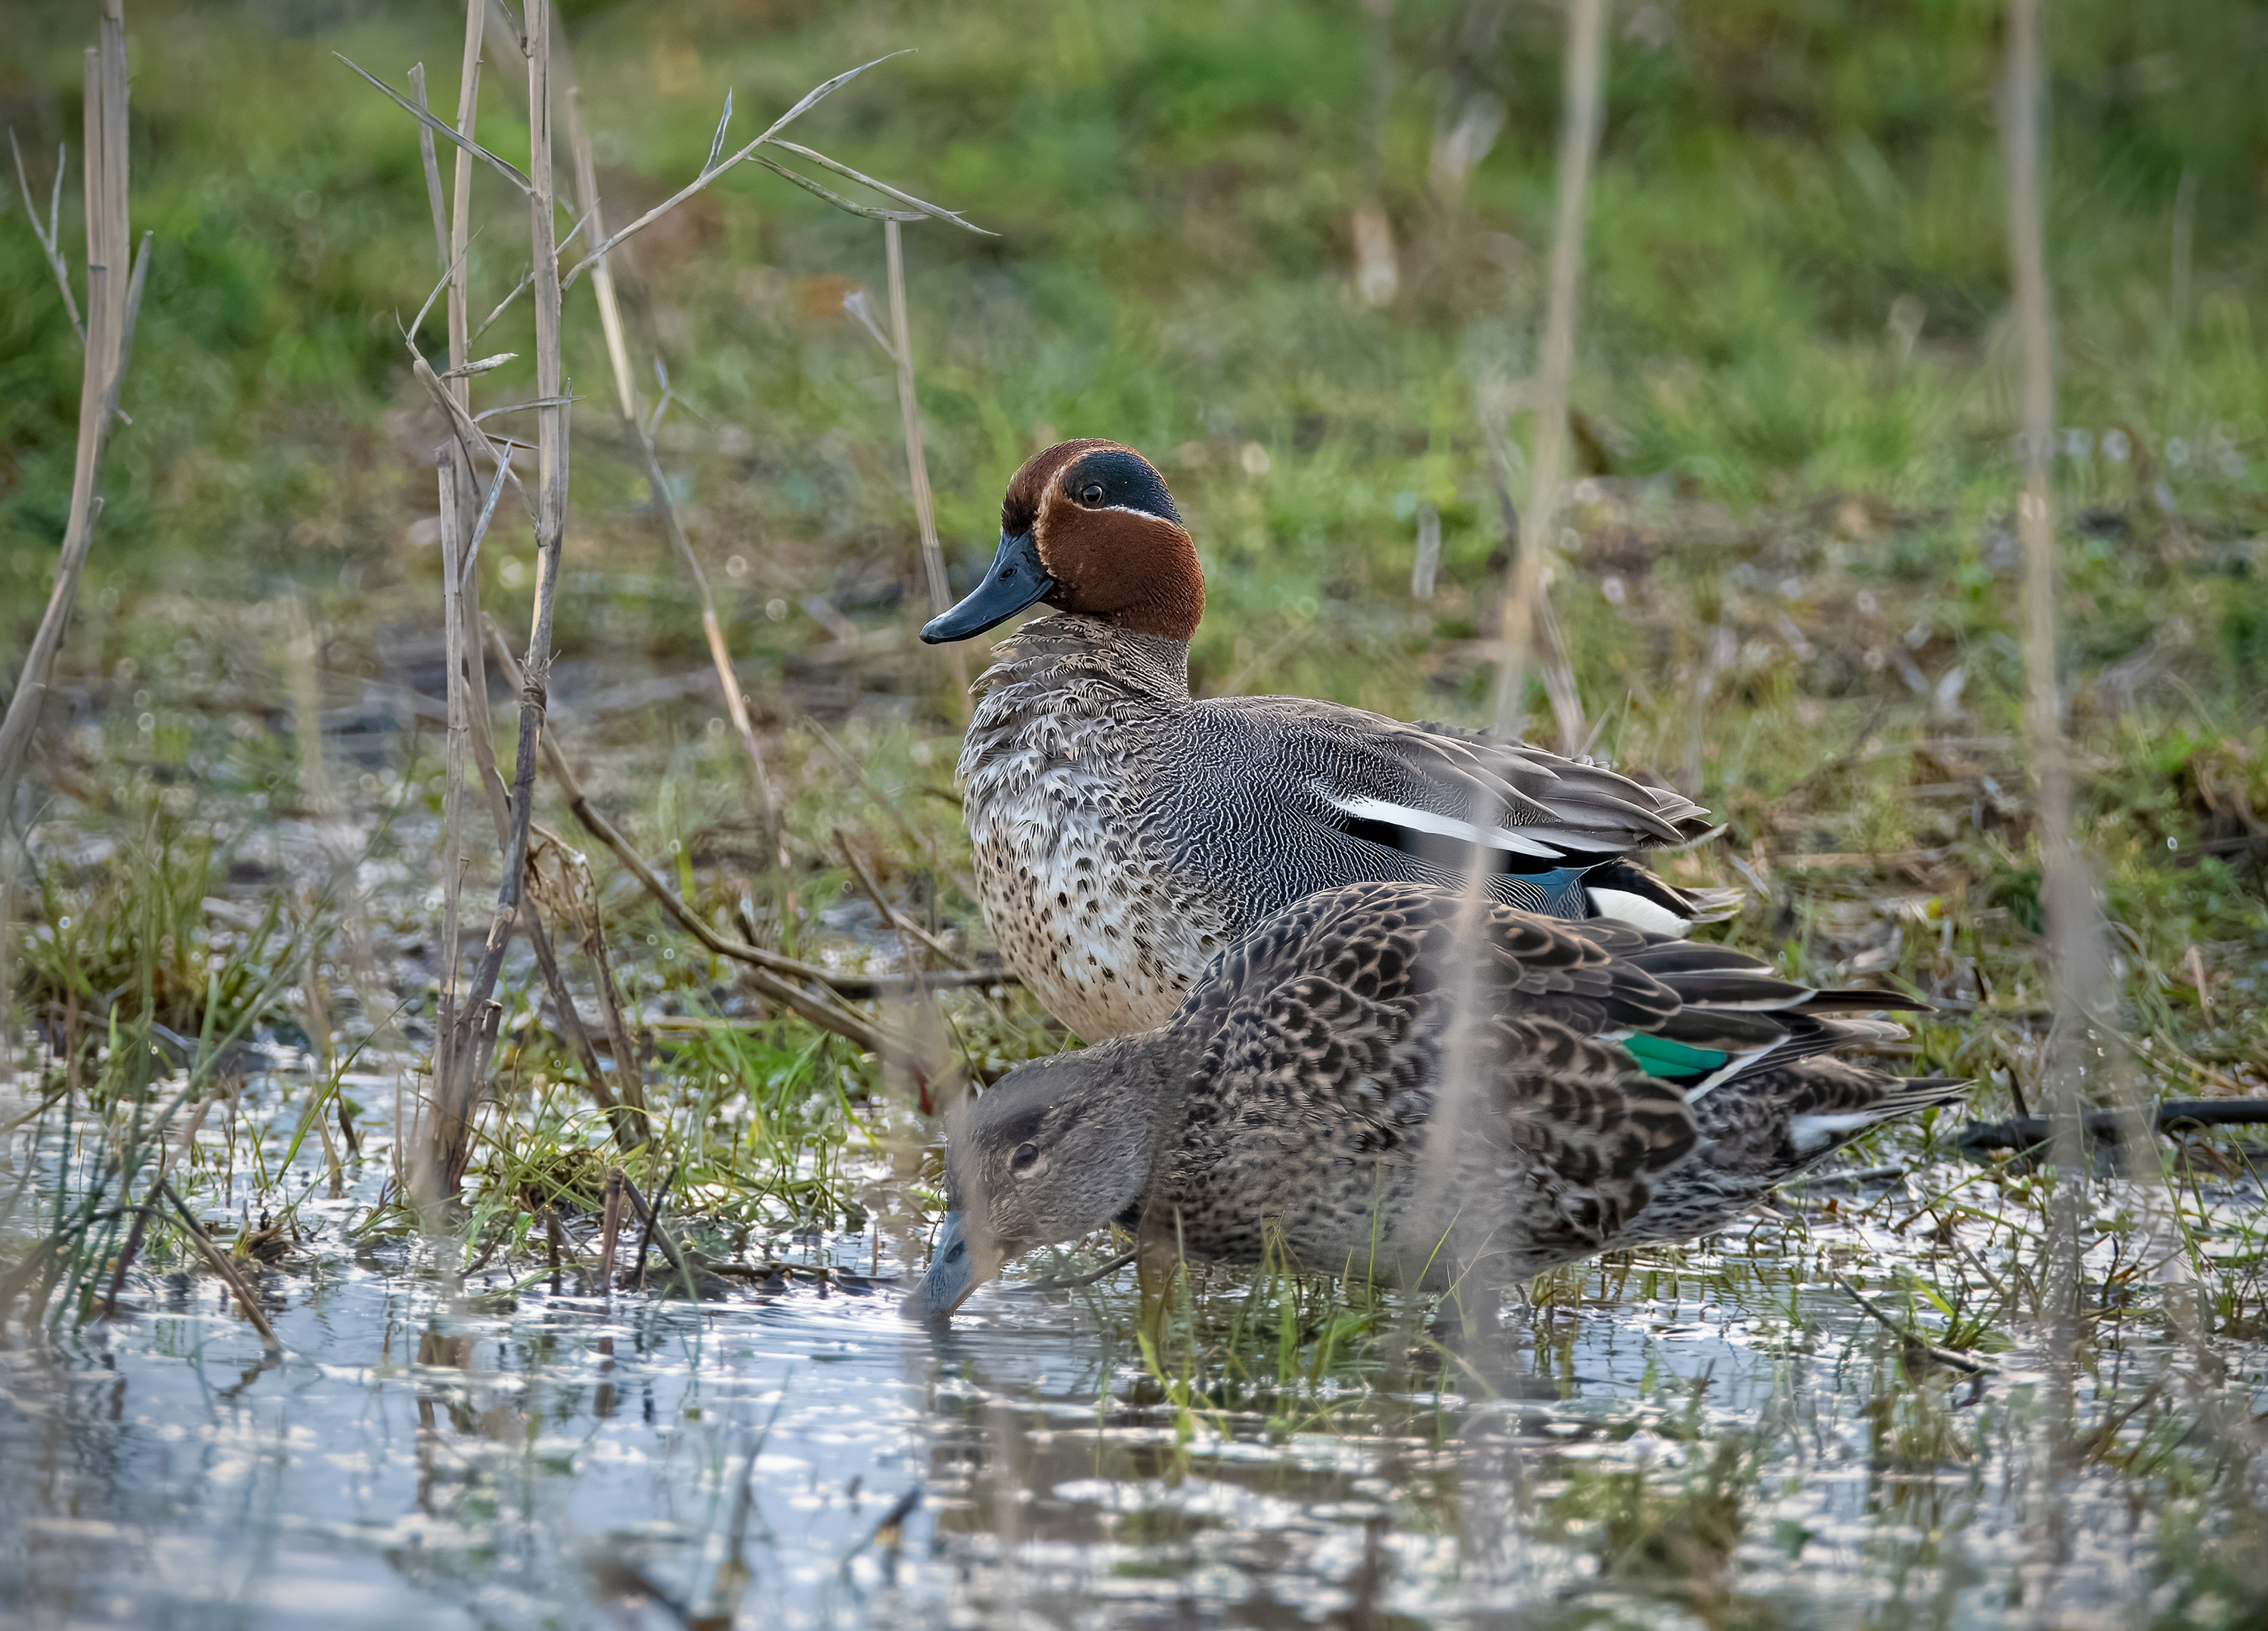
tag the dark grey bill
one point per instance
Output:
(951, 1274)
(1016, 580)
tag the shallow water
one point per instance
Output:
(810, 1460)
(1717, 1438)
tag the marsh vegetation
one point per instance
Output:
(264, 1366)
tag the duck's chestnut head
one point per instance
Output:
(1087, 527)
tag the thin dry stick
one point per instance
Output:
(1917, 1352)
(652, 1217)
(460, 218)
(712, 628)
(659, 1230)
(908, 932)
(226, 1270)
(1579, 137)
(711, 171)
(941, 591)
(48, 244)
(127, 1253)
(113, 300)
(764, 969)
(574, 899)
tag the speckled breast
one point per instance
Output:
(1081, 910)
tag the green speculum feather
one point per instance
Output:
(1657, 1055)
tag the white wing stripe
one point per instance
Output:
(1652, 916)
(1449, 826)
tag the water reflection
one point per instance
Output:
(807, 1461)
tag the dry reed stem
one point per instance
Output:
(940, 590)
(1463, 1095)
(448, 1052)
(712, 628)
(2074, 923)
(479, 1012)
(113, 300)
(1557, 669)
(1579, 137)
(2086, 1053)
(460, 588)
(652, 1216)
(657, 1232)
(764, 970)
(460, 214)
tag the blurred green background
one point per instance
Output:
(1795, 317)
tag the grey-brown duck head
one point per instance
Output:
(1086, 526)
(1057, 1149)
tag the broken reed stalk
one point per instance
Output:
(712, 628)
(767, 973)
(610, 1229)
(448, 1054)
(113, 300)
(940, 590)
(1578, 138)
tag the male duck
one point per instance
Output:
(1123, 831)
(1632, 1088)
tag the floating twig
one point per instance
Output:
(1968, 1364)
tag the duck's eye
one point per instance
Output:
(1027, 1157)
(1091, 495)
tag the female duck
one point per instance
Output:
(1123, 831)
(1627, 1088)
